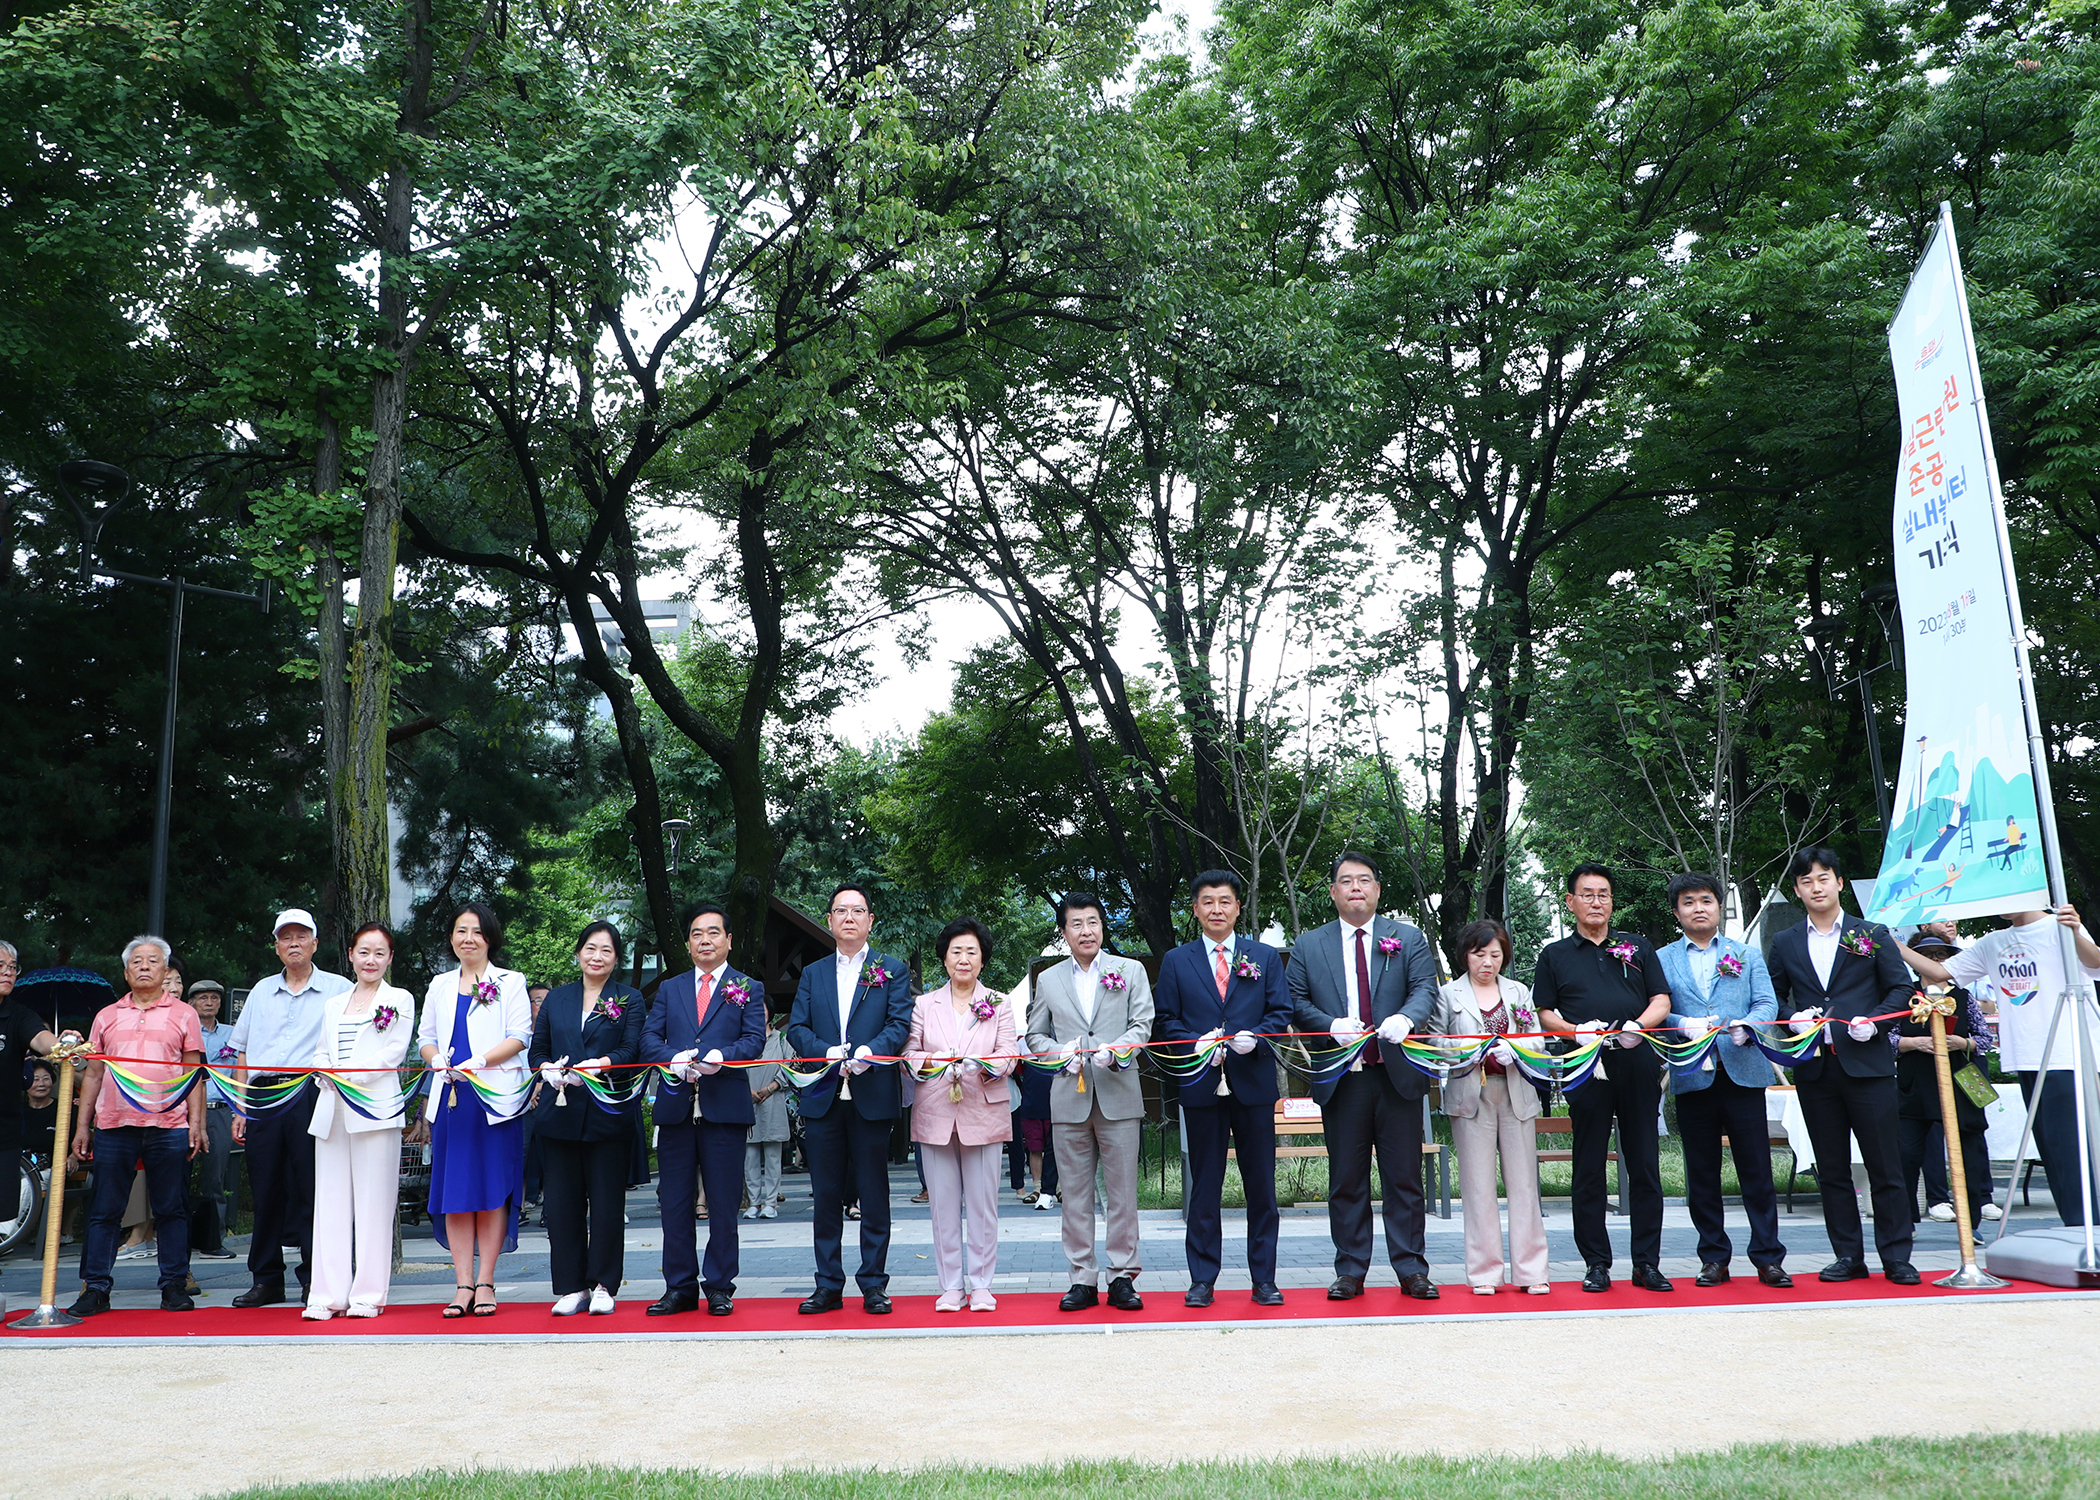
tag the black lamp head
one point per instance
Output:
(94, 490)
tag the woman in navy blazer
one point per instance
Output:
(591, 1025)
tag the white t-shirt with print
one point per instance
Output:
(2022, 969)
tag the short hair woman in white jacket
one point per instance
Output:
(477, 1020)
(357, 1148)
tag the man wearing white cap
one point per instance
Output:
(277, 1034)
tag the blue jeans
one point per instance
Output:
(166, 1154)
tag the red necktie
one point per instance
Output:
(1363, 995)
(1223, 981)
(707, 983)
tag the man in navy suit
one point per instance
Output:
(703, 1018)
(1366, 973)
(851, 1008)
(1228, 990)
(1832, 969)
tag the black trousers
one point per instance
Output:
(1725, 1107)
(1251, 1128)
(844, 1148)
(1924, 1147)
(586, 1186)
(1840, 1109)
(1367, 1116)
(1632, 1095)
(2056, 1138)
(711, 1156)
(281, 1187)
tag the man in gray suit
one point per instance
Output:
(1094, 1011)
(1362, 973)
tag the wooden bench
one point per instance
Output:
(1298, 1121)
(1558, 1125)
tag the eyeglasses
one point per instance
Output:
(1594, 898)
(849, 911)
(10, 968)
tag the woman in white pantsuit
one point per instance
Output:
(1492, 1108)
(365, 1034)
(962, 1116)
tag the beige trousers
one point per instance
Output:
(1112, 1145)
(1496, 1124)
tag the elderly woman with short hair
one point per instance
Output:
(1492, 1106)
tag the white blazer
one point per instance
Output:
(381, 1051)
(509, 1017)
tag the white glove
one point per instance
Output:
(1504, 1054)
(1346, 1029)
(1807, 1021)
(1215, 1034)
(1071, 1056)
(1696, 1027)
(1242, 1042)
(858, 1066)
(682, 1065)
(837, 1053)
(474, 1064)
(551, 1074)
(572, 1079)
(712, 1063)
(1741, 1035)
(1860, 1031)
(1630, 1035)
(1394, 1030)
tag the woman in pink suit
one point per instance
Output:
(961, 1116)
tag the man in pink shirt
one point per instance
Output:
(158, 1034)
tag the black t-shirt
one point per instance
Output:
(18, 1026)
(39, 1126)
(1585, 981)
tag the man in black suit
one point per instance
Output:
(1833, 971)
(1229, 990)
(1366, 973)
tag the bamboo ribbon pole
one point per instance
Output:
(1934, 1006)
(47, 1314)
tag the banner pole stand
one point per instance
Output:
(1971, 1277)
(48, 1314)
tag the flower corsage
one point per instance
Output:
(1624, 951)
(484, 992)
(736, 992)
(873, 973)
(613, 1008)
(383, 1017)
(1112, 979)
(1247, 968)
(1858, 942)
(1389, 946)
(1730, 966)
(985, 1006)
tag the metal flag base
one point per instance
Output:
(46, 1316)
(1971, 1278)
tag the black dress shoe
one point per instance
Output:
(1774, 1276)
(1266, 1294)
(1597, 1279)
(1345, 1287)
(823, 1300)
(876, 1302)
(1901, 1273)
(1200, 1294)
(89, 1303)
(175, 1299)
(1648, 1279)
(1419, 1285)
(672, 1303)
(720, 1304)
(1123, 1295)
(1844, 1268)
(262, 1294)
(1079, 1298)
(1713, 1273)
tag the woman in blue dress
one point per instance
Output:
(476, 1023)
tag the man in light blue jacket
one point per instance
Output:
(1717, 982)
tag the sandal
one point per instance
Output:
(455, 1308)
(485, 1309)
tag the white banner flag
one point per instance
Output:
(1964, 838)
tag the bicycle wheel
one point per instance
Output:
(27, 1209)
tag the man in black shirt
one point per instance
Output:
(1594, 981)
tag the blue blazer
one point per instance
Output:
(1742, 997)
(556, 1035)
(880, 1020)
(1186, 1003)
(1871, 986)
(738, 1030)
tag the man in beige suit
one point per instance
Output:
(1094, 1011)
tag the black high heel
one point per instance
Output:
(455, 1308)
(488, 1309)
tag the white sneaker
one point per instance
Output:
(770, 1211)
(948, 1302)
(1993, 1211)
(317, 1313)
(138, 1252)
(602, 1301)
(1045, 1202)
(361, 1310)
(1941, 1213)
(751, 1212)
(569, 1304)
(982, 1300)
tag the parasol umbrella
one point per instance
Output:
(75, 994)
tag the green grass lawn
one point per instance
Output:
(1985, 1468)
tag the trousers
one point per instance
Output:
(762, 1172)
(1841, 1109)
(1477, 1139)
(1213, 1129)
(1111, 1146)
(1367, 1116)
(962, 1184)
(1632, 1095)
(281, 1183)
(1725, 1107)
(357, 1188)
(586, 1211)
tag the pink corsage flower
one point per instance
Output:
(1859, 943)
(984, 1007)
(1389, 946)
(1624, 951)
(1112, 980)
(484, 992)
(383, 1017)
(1730, 966)
(736, 992)
(1247, 968)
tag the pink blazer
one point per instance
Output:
(984, 1114)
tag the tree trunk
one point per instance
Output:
(331, 650)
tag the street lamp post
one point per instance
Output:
(104, 486)
(1822, 638)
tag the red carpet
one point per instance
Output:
(1017, 1312)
